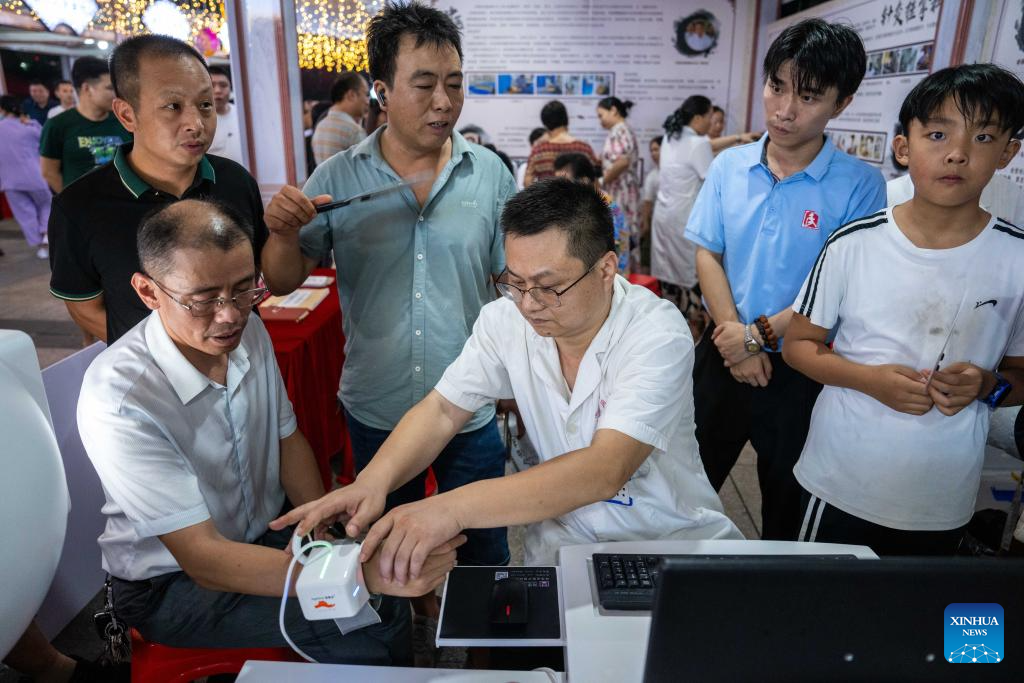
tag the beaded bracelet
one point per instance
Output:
(765, 328)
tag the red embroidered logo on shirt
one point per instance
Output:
(810, 220)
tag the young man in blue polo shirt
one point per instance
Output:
(760, 220)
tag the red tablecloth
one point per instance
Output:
(310, 354)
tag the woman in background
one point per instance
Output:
(20, 177)
(619, 159)
(719, 141)
(557, 141)
(685, 158)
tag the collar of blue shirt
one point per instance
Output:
(757, 155)
(370, 147)
(183, 377)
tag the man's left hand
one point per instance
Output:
(729, 339)
(408, 535)
(955, 387)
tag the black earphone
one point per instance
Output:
(380, 96)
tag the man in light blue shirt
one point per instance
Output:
(414, 266)
(759, 222)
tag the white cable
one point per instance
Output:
(297, 556)
(551, 673)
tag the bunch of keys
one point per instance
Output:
(117, 647)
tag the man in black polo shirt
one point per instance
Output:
(164, 96)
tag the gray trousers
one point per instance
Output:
(173, 610)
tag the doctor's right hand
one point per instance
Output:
(290, 209)
(358, 505)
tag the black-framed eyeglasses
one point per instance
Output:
(207, 307)
(545, 296)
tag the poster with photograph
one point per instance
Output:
(899, 38)
(1007, 49)
(521, 54)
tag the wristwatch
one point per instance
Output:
(998, 393)
(749, 342)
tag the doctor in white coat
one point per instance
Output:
(601, 372)
(685, 158)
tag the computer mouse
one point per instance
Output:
(509, 602)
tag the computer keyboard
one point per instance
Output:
(627, 582)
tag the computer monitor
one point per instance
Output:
(865, 620)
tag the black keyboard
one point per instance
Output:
(627, 582)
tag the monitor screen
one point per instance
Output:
(906, 619)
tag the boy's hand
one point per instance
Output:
(754, 370)
(901, 388)
(955, 387)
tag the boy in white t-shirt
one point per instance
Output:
(926, 300)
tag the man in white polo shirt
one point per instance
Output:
(188, 424)
(601, 371)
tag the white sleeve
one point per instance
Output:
(479, 376)
(822, 294)
(702, 157)
(142, 472)
(649, 389)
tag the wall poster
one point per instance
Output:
(1006, 48)
(520, 54)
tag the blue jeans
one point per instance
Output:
(468, 457)
(173, 610)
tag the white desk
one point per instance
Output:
(281, 672)
(611, 646)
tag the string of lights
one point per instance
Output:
(331, 33)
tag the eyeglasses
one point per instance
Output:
(204, 309)
(545, 296)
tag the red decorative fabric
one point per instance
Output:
(310, 354)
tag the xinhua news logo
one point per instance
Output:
(974, 633)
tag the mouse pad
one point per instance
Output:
(466, 606)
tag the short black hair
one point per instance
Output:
(615, 103)
(62, 82)
(578, 164)
(823, 55)
(86, 70)
(536, 134)
(981, 92)
(346, 81)
(718, 110)
(694, 105)
(576, 209)
(124, 63)
(221, 71)
(554, 115)
(505, 159)
(474, 129)
(657, 139)
(36, 81)
(172, 227)
(10, 104)
(384, 35)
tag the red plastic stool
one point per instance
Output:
(152, 663)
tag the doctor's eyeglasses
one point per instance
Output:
(545, 296)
